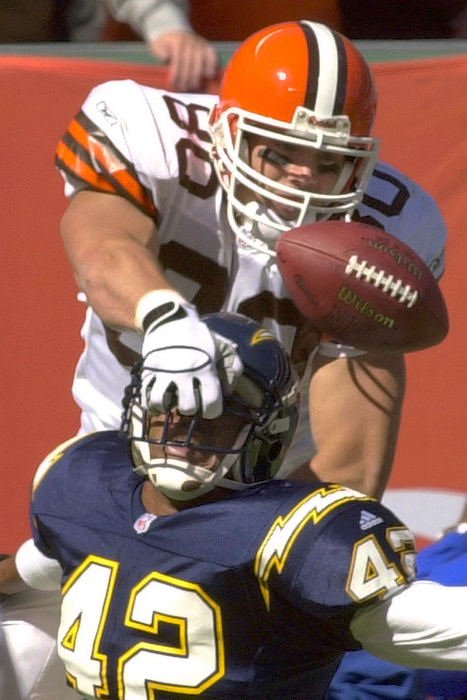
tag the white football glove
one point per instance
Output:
(179, 357)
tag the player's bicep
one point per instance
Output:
(93, 217)
(373, 382)
(356, 447)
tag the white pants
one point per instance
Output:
(29, 625)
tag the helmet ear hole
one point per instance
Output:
(267, 459)
(274, 451)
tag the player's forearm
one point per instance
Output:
(115, 277)
(355, 409)
(112, 248)
(424, 626)
(10, 580)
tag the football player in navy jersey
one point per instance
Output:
(177, 201)
(187, 569)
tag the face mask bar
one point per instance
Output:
(143, 431)
(328, 135)
(235, 469)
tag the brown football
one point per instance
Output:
(362, 286)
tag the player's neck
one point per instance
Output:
(155, 502)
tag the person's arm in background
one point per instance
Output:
(165, 27)
(355, 411)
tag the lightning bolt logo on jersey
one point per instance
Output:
(250, 596)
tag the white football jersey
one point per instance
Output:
(153, 148)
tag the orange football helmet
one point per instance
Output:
(298, 83)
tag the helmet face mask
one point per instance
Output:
(176, 454)
(277, 100)
(188, 456)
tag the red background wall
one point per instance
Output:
(422, 118)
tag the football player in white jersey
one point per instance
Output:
(176, 204)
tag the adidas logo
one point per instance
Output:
(368, 520)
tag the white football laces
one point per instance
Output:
(387, 283)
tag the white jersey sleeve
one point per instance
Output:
(96, 151)
(423, 625)
(404, 209)
(141, 143)
(37, 570)
(29, 625)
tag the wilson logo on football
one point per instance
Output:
(387, 283)
(378, 297)
(363, 306)
(397, 256)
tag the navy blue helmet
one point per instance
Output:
(187, 456)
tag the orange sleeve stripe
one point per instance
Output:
(82, 169)
(108, 161)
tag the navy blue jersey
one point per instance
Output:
(250, 596)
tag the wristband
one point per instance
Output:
(153, 299)
(339, 350)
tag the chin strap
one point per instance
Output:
(170, 478)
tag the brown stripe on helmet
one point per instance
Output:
(317, 66)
